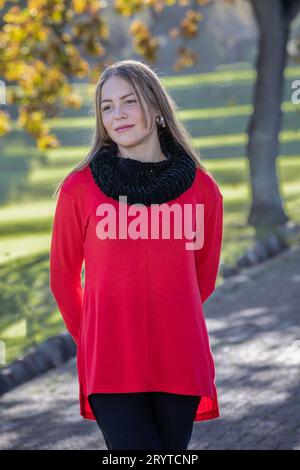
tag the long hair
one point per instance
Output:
(145, 83)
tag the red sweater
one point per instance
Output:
(138, 322)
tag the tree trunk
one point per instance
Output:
(273, 20)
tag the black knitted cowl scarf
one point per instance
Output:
(144, 182)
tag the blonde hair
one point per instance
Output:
(145, 82)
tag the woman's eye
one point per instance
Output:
(128, 101)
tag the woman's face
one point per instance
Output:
(120, 107)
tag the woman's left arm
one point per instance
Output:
(207, 258)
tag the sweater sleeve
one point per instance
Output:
(207, 258)
(66, 259)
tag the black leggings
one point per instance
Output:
(145, 420)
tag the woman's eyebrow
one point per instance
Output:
(121, 97)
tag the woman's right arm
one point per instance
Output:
(66, 259)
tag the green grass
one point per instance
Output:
(215, 107)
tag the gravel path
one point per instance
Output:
(253, 321)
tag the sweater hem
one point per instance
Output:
(208, 407)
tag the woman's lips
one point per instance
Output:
(123, 129)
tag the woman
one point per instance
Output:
(145, 366)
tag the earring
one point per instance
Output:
(160, 120)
